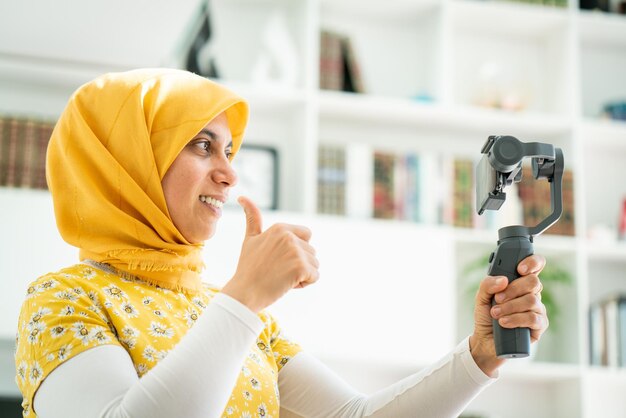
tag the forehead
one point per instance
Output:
(218, 129)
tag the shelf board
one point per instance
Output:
(378, 109)
(52, 71)
(390, 9)
(526, 125)
(525, 370)
(602, 28)
(267, 96)
(394, 110)
(513, 19)
(552, 243)
(605, 133)
(607, 372)
(611, 251)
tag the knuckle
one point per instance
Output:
(278, 229)
(533, 299)
(536, 281)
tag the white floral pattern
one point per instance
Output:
(82, 307)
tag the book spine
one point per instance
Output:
(331, 61)
(29, 164)
(12, 153)
(597, 336)
(411, 200)
(4, 150)
(353, 81)
(612, 332)
(44, 132)
(621, 317)
(462, 193)
(607, 332)
(400, 189)
(331, 180)
(384, 200)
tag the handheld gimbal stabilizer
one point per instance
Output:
(501, 166)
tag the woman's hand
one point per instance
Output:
(272, 262)
(518, 305)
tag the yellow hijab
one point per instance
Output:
(108, 153)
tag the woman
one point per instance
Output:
(139, 168)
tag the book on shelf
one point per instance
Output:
(339, 66)
(607, 332)
(401, 189)
(345, 180)
(408, 190)
(463, 193)
(331, 180)
(23, 144)
(535, 195)
(428, 188)
(424, 188)
(385, 185)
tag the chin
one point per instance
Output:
(206, 235)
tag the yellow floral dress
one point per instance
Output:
(81, 307)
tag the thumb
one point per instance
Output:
(254, 221)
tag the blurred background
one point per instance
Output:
(367, 120)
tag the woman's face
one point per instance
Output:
(197, 183)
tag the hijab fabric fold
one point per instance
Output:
(108, 153)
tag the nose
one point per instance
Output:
(224, 173)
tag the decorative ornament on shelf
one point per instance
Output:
(499, 88)
(200, 57)
(277, 61)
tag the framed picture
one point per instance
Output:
(257, 169)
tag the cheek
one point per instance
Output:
(180, 185)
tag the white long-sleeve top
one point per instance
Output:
(197, 376)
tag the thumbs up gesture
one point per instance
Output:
(272, 262)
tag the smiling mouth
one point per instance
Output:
(211, 201)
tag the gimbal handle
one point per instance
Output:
(515, 242)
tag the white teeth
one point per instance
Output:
(211, 201)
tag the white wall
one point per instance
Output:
(31, 247)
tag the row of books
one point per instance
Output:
(607, 332)
(427, 188)
(535, 196)
(339, 68)
(23, 144)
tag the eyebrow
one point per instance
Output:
(213, 136)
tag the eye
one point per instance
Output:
(203, 145)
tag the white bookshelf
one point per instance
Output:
(561, 63)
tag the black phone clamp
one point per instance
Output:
(501, 166)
